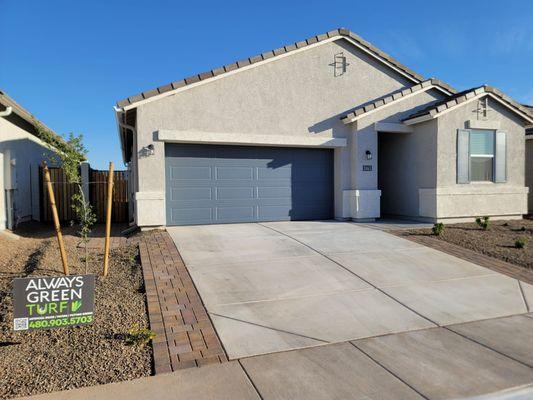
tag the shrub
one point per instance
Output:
(483, 222)
(438, 228)
(520, 243)
(139, 336)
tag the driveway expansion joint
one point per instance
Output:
(390, 371)
(464, 336)
(353, 273)
(523, 295)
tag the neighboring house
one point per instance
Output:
(21, 152)
(529, 163)
(329, 127)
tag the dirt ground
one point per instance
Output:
(497, 242)
(34, 362)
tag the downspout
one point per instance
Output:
(131, 183)
(6, 217)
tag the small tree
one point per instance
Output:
(69, 154)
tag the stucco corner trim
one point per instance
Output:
(243, 139)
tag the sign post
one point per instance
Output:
(53, 302)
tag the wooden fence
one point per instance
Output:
(97, 185)
(98, 194)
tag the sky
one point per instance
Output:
(68, 62)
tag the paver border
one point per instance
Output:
(185, 335)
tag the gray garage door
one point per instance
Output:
(209, 184)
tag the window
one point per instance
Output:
(481, 155)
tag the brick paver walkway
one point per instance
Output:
(185, 335)
(494, 264)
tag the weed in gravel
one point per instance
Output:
(483, 222)
(139, 336)
(438, 229)
(520, 243)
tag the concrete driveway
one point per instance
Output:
(279, 286)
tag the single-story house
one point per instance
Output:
(21, 152)
(328, 127)
(529, 163)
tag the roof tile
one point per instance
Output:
(243, 63)
(137, 97)
(231, 67)
(164, 88)
(267, 55)
(150, 93)
(290, 47)
(206, 75)
(178, 84)
(256, 59)
(192, 79)
(218, 71)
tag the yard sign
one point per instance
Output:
(53, 302)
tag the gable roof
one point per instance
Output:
(465, 96)
(428, 84)
(331, 35)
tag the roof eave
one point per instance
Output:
(352, 117)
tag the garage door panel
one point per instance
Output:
(275, 213)
(186, 216)
(244, 173)
(236, 214)
(185, 172)
(191, 193)
(231, 192)
(222, 184)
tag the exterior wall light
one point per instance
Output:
(368, 155)
(147, 151)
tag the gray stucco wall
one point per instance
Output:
(529, 173)
(485, 198)
(293, 95)
(407, 162)
(27, 152)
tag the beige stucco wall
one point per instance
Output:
(407, 162)
(486, 198)
(295, 95)
(27, 151)
(402, 161)
(529, 173)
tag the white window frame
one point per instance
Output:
(493, 155)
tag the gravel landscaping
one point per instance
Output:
(498, 241)
(58, 359)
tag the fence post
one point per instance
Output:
(84, 169)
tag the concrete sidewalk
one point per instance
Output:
(459, 361)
